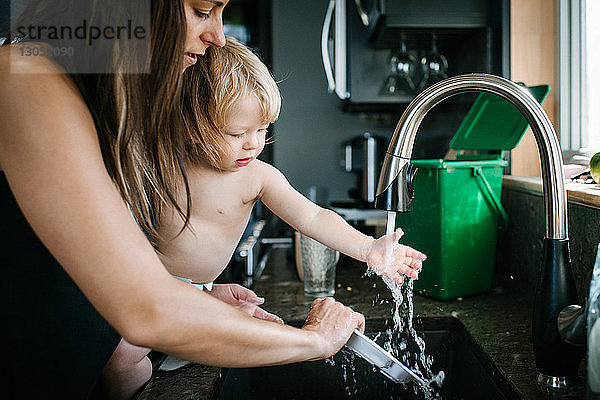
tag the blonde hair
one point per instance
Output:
(216, 83)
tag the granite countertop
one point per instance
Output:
(499, 321)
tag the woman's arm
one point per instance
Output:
(50, 154)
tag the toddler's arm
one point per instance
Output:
(384, 255)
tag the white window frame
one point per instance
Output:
(572, 76)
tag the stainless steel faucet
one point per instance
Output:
(557, 361)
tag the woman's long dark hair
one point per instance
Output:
(133, 90)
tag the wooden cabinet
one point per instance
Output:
(532, 42)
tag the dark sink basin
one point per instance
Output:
(469, 372)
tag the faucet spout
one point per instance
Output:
(556, 286)
(401, 145)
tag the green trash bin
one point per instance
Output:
(457, 212)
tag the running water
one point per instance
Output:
(403, 333)
(419, 362)
(391, 222)
(399, 339)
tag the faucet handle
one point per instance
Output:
(411, 174)
(400, 189)
(571, 323)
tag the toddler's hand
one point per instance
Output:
(257, 312)
(244, 299)
(387, 257)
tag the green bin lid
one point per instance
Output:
(439, 163)
(493, 123)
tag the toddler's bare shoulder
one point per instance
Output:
(266, 169)
(270, 176)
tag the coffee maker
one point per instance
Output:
(363, 156)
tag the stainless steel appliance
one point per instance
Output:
(361, 39)
(363, 156)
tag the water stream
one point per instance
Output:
(402, 334)
(399, 338)
(391, 222)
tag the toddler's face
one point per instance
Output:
(244, 134)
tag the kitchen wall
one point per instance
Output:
(519, 250)
(312, 127)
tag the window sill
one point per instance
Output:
(587, 195)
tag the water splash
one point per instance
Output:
(397, 339)
(349, 372)
(403, 333)
(396, 344)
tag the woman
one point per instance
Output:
(88, 138)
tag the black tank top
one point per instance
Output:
(55, 343)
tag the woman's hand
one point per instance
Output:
(244, 299)
(334, 323)
(389, 258)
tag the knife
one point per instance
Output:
(387, 364)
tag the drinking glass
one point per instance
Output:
(316, 266)
(434, 66)
(402, 67)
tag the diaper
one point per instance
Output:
(202, 286)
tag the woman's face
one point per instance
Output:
(204, 27)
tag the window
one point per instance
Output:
(591, 128)
(579, 75)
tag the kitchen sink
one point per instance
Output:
(469, 372)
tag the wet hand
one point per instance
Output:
(243, 299)
(333, 323)
(389, 258)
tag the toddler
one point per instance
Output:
(242, 102)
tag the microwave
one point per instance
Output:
(379, 54)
